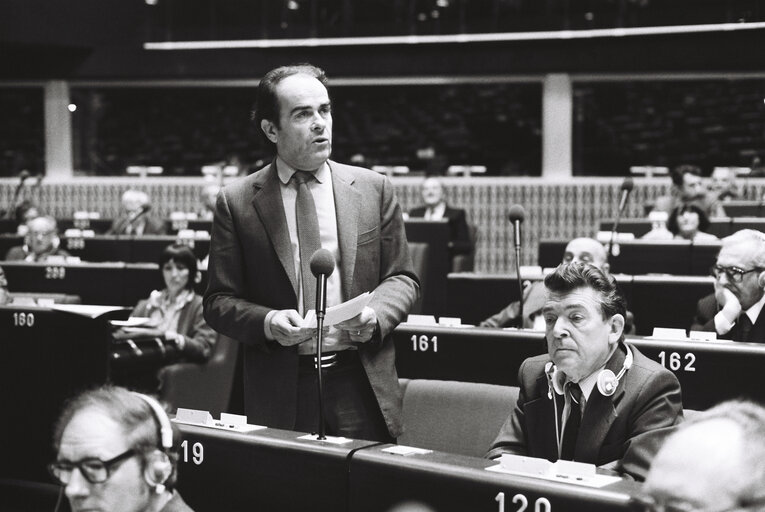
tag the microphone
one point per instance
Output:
(137, 213)
(322, 265)
(626, 188)
(15, 203)
(516, 216)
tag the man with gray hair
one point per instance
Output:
(136, 218)
(117, 450)
(734, 310)
(716, 461)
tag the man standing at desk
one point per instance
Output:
(734, 311)
(266, 228)
(592, 398)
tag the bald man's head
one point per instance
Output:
(586, 250)
(714, 462)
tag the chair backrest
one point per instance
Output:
(454, 417)
(205, 386)
(419, 254)
(466, 262)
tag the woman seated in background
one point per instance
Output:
(177, 309)
(689, 222)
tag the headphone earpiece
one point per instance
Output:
(607, 383)
(157, 466)
(157, 470)
(557, 379)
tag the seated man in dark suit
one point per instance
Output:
(585, 250)
(734, 311)
(592, 398)
(136, 218)
(41, 243)
(435, 208)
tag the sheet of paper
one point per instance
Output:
(340, 312)
(87, 310)
(406, 450)
(595, 481)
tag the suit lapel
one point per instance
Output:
(540, 414)
(757, 333)
(347, 208)
(270, 208)
(599, 414)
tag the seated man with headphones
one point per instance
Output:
(41, 243)
(735, 310)
(117, 451)
(592, 398)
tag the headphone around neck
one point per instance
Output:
(158, 468)
(606, 384)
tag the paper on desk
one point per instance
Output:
(340, 312)
(88, 310)
(561, 471)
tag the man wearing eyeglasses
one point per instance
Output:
(734, 311)
(713, 462)
(116, 452)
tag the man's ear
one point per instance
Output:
(761, 280)
(606, 267)
(616, 328)
(269, 128)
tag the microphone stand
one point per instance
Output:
(321, 293)
(518, 273)
(614, 228)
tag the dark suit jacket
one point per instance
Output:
(626, 428)
(19, 253)
(152, 226)
(459, 234)
(251, 272)
(707, 308)
(200, 337)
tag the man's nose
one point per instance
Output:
(77, 486)
(560, 328)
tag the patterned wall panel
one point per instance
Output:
(554, 209)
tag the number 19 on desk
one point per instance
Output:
(422, 343)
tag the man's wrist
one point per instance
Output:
(267, 325)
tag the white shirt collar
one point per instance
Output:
(754, 311)
(588, 383)
(285, 171)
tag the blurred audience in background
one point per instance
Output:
(436, 208)
(41, 243)
(5, 297)
(688, 188)
(689, 222)
(23, 213)
(722, 184)
(208, 197)
(136, 217)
